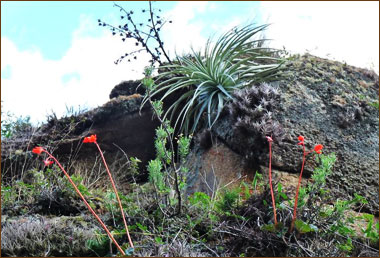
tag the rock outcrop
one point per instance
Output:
(118, 124)
(329, 103)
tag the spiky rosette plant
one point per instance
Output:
(208, 79)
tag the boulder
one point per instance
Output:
(126, 88)
(216, 168)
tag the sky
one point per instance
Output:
(55, 57)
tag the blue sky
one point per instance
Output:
(55, 54)
(49, 26)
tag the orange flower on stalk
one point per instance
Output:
(48, 162)
(318, 148)
(301, 139)
(38, 150)
(90, 139)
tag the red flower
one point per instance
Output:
(38, 150)
(269, 139)
(91, 138)
(301, 139)
(48, 162)
(318, 148)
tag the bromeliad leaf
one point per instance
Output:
(207, 79)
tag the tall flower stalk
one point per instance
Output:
(270, 140)
(317, 149)
(39, 150)
(92, 139)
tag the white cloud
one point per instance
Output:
(185, 31)
(344, 31)
(36, 85)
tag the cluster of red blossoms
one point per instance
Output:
(38, 150)
(90, 139)
(317, 148)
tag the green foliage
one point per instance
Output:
(200, 200)
(143, 228)
(209, 78)
(371, 231)
(229, 200)
(322, 222)
(78, 180)
(280, 194)
(258, 177)
(21, 192)
(322, 171)
(99, 245)
(183, 146)
(347, 246)
(338, 219)
(134, 166)
(245, 190)
(159, 240)
(12, 125)
(158, 106)
(304, 227)
(375, 104)
(156, 176)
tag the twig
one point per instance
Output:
(303, 248)
(176, 235)
(208, 248)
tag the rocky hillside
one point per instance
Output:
(327, 102)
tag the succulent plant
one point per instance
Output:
(251, 109)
